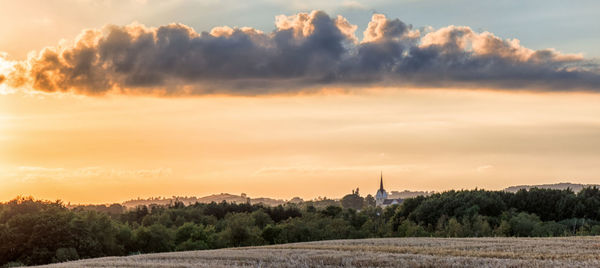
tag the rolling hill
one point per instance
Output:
(575, 187)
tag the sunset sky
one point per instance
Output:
(104, 101)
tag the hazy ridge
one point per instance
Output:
(575, 187)
(230, 198)
(242, 198)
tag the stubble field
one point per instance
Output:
(383, 252)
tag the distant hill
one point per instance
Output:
(230, 198)
(576, 187)
(408, 194)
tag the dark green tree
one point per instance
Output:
(353, 200)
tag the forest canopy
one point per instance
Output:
(39, 232)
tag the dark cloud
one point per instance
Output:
(2, 78)
(306, 50)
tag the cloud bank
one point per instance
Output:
(305, 51)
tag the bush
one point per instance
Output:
(550, 229)
(524, 224)
(411, 229)
(65, 254)
(156, 238)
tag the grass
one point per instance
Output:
(383, 252)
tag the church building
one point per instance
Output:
(381, 197)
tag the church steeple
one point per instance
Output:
(381, 194)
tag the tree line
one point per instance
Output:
(39, 232)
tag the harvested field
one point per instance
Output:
(384, 252)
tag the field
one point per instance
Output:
(386, 252)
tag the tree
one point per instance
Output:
(353, 200)
(261, 219)
(156, 238)
(411, 229)
(191, 236)
(332, 211)
(271, 234)
(241, 230)
(65, 254)
(369, 201)
(523, 224)
(454, 228)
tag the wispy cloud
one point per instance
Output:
(305, 51)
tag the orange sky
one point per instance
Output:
(113, 148)
(94, 145)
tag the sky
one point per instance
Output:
(104, 101)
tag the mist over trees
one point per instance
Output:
(39, 232)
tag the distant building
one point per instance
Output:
(381, 194)
(381, 197)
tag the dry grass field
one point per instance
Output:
(386, 252)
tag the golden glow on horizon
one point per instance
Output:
(113, 148)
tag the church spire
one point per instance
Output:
(381, 182)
